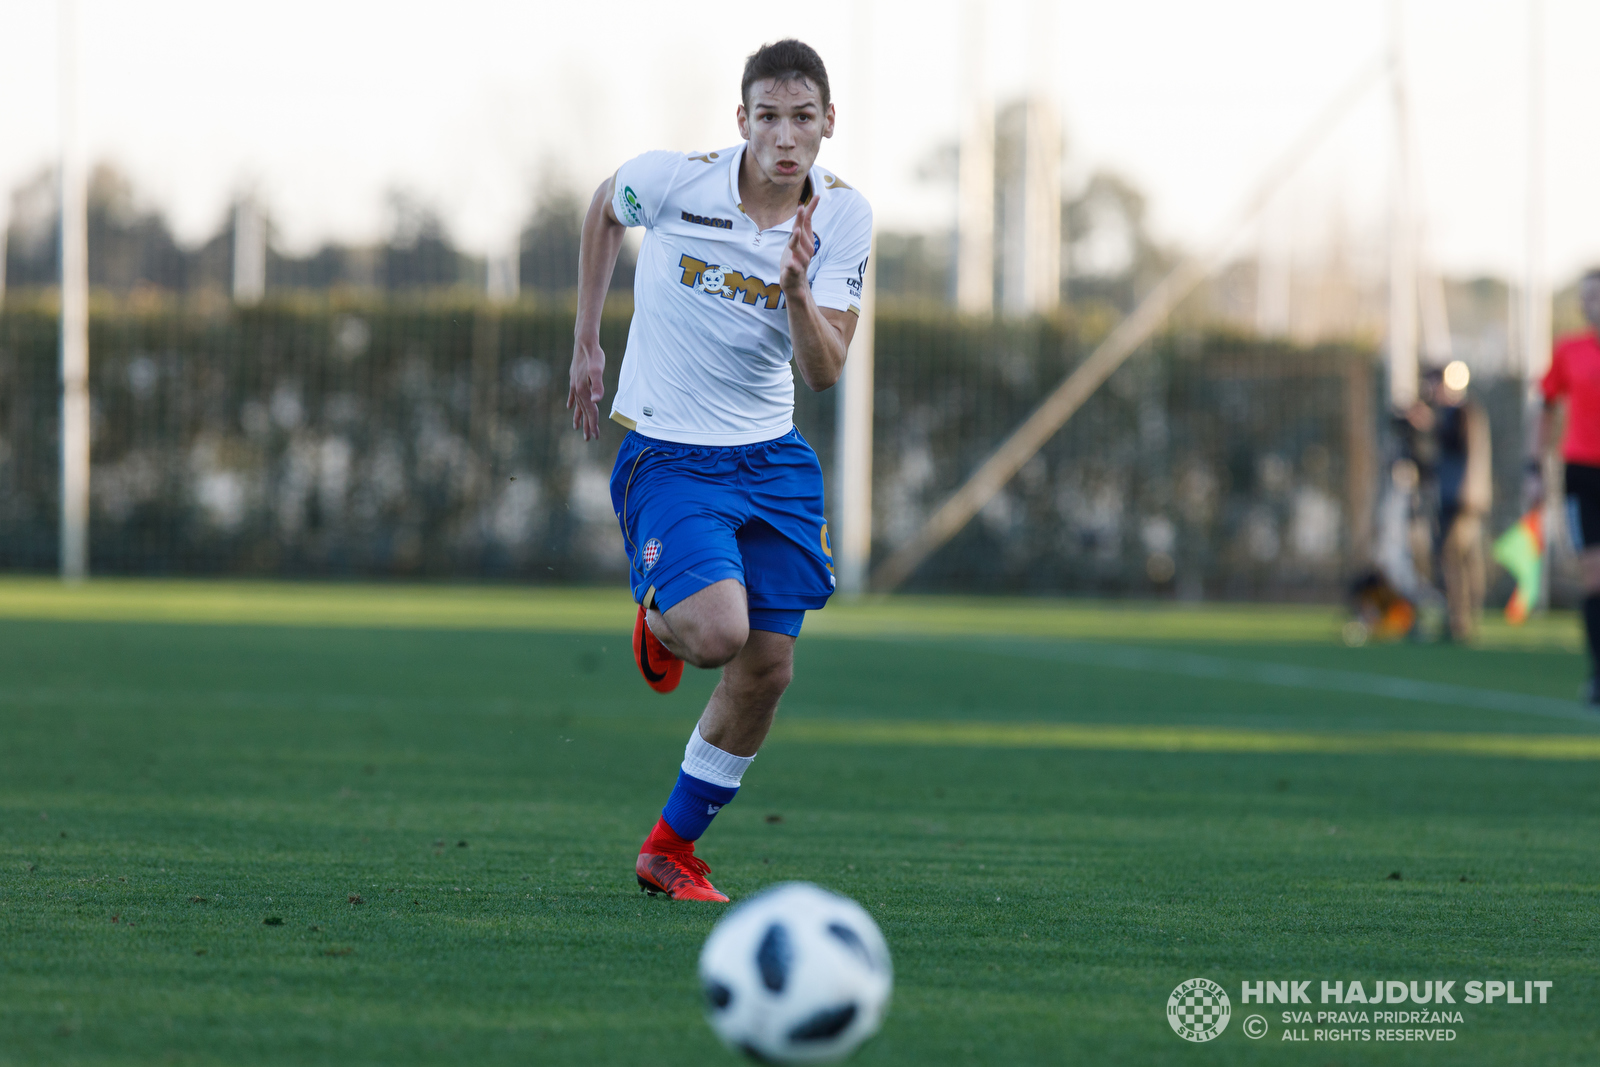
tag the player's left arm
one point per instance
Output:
(820, 336)
(1543, 439)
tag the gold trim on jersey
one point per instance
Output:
(617, 416)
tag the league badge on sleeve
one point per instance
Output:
(649, 554)
(632, 211)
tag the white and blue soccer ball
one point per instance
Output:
(796, 974)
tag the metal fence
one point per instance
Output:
(430, 440)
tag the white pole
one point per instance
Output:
(5, 230)
(1041, 183)
(1402, 245)
(1274, 266)
(852, 530)
(74, 314)
(1436, 340)
(853, 545)
(249, 252)
(502, 272)
(975, 181)
(1536, 282)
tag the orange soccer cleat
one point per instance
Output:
(667, 864)
(661, 669)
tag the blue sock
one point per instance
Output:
(693, 804)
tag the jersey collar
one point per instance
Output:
(812, 188)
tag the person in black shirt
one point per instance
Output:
(1460, 482)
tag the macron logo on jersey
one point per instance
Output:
(707, 220)
(720, 281)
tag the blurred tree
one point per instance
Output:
(32, 246)
(419, 253)
(1110, 255)
(325, 268)
(916, 267)
(548, 249)
(129, 247)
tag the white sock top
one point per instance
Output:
(709, 763)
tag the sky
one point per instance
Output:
(321, 107)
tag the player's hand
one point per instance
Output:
(1532, 488)
(796, 258)
(585, 388)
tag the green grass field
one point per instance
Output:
(1056, 811)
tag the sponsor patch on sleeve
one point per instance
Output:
(629, 211)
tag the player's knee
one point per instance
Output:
(716, 645)
(775, 676)
(767, 677)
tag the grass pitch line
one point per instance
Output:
(1322, 679)
(609, 609)
(1188, 739)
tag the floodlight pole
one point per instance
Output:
(1402, 364)
(74, 313)
(1536, 282)
(851, 534)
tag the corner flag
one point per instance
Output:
(1520, 550)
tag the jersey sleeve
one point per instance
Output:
(641, 187)
(837, 283)
(1554, 383)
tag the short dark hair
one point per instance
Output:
(783, 60)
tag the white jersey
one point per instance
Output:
(708, 357)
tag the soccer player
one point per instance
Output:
(1574, 374)
(753, 256)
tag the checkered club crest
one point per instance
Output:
(651, 553)
(1198, 1010)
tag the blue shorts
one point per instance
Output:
(692, 515)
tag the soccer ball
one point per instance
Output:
(796, 974)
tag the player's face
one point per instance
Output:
(785, 123)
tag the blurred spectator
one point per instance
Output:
(1446, 471)
(1462, 478)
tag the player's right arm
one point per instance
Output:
(597, 258)
(631, 197)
